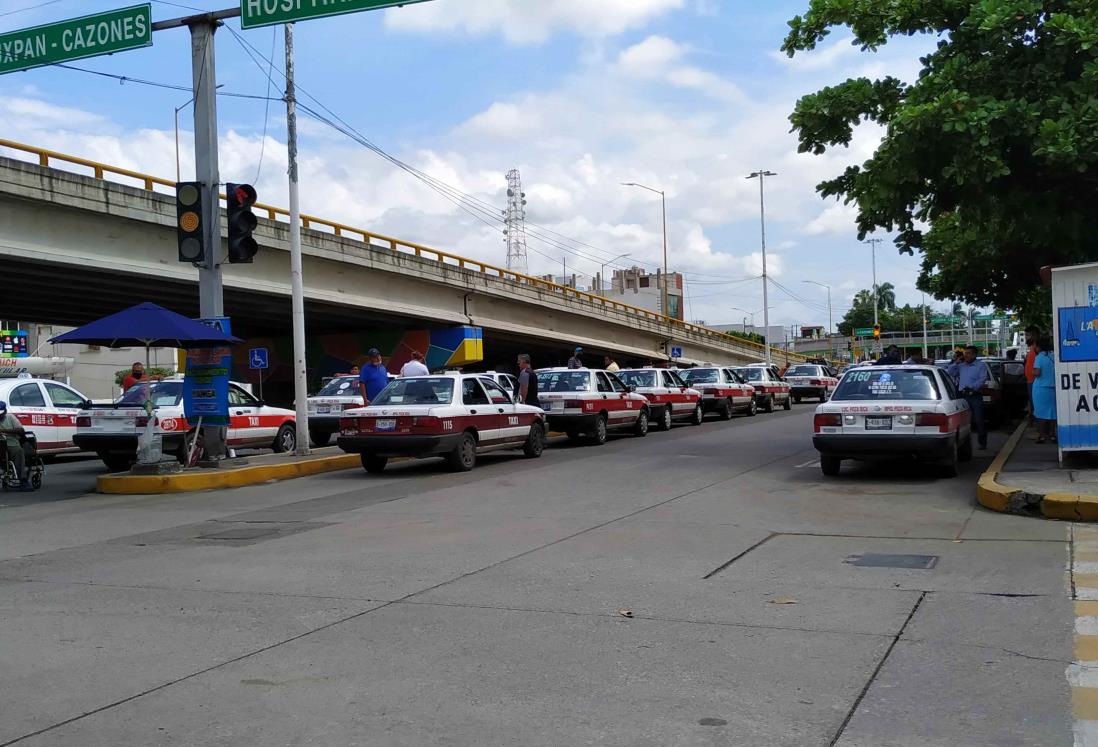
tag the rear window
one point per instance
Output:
(750, 374)
(564, 381)
(889, 384)
(418, 391)
(638, 378)
(804, 371)
(164, 394)
(345, 385)
(702, 376)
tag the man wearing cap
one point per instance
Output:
(11, 430)
(374, 376)
(575, 361)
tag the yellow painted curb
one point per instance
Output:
(989, 493)
(212, 479)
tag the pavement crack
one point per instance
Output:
(758, 544)
(876, 671)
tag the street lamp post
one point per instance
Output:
(761, 175)
(663, 201)
(830, 321)
(873, 247)
(178, 109)
(749, 313)
(602, 272)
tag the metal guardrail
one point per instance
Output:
(101, 171)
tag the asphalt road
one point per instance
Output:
(703, 587)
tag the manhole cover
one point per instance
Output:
(885, 560)
(244, 533)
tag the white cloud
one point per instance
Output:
(528, 21)
(825, 57)
(838, 219)
(659, 58)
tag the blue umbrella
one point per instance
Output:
(147, 325)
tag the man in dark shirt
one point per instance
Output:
(890, 358)
(527, 382)
(575, 361)
(374, 376)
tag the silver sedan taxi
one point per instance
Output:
(893, 411)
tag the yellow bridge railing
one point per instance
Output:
(49, 159)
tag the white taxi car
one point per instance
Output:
(590, 402)
(46, 408)
(887, 411)
(669, 397)
(326, 407)
(111, 430)
(505, 380)
(810, 380)
(770, 388)
(722, 391)
(455, 416)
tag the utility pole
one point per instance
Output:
(761, 175)
(514, 218)
(210, 293)
(297, 285)
(923, 308)
(873, 248)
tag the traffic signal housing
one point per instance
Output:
(239, 199)
(188, 225)
(876, 331)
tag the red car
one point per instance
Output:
(669, 397)
(587, 402)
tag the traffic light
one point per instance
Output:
(188, 225)
(239, 199)
(876, 331)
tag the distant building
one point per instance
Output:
(637, 287)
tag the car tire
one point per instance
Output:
(117, 462)
(640, 428)
(373, 464)
(320, 439)
(948, 466)
(830, 465)
(598, 435)
(285, 440)
(464, 456)
(725, 412)
(699, 415)
(665, 419)
(36, 480)
(964, 451)
(753, 408)
(535, 442)
(788, 405)
(769, 406)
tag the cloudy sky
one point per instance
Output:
(688, 96)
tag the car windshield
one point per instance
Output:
(564, 381)
(887, 384)
(803, 371)
(750, 374)
(345, 385)
(638, 378)
(164, 394)
(417, 391)
(702, 376)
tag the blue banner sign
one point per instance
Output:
(1078, 333)
(206, 385)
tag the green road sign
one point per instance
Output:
(76, 38)
(989, 318)
(863, 332)
(946, 319)
(256, 13)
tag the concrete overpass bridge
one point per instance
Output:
(79, 239)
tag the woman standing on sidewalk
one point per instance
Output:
(1044, 391)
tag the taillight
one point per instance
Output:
(816, 382)
(826, 419)
(141, 421)
(426, 422)
(347, 423)
(83, 421)
(573, 403)
(932, 419)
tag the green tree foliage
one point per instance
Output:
(752, 336)
(891, 318)
(989, 163)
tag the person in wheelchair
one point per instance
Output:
(16, 446)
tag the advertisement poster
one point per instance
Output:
(1078, 327)
(13, 343)
(206, 385)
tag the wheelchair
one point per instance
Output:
(34, 465)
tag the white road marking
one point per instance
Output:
(813, 463)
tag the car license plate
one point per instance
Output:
(385, 425)
(323, 409)
(987, 399)
(878, 424)
(557, 406)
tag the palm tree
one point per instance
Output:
(886, 296)
(958, 309)
(863, 298)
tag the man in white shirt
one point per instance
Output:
(415, 367)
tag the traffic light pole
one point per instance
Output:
(297, 290)
(210, 298)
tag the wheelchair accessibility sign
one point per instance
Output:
(257, 359)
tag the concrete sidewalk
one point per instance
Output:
(1027, 478)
